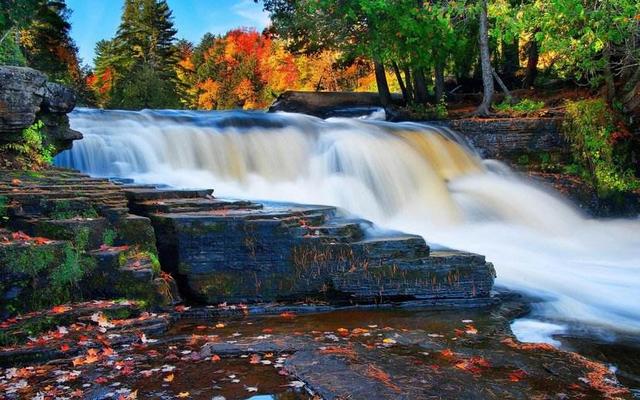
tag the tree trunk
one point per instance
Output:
(381, 82)
(407, 78)
(631, 94)
(511, 60)
(485, 60)
(420, 86)
(4, 36)
(439, 77)
(608, 75)
(507, 93)
(532, 61)
(403, 88)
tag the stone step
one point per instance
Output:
(340, 230)
(192, 205)
(159, 194)
(392, 248)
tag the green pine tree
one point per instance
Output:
(143, 56)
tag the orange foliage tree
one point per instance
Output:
(247, 69)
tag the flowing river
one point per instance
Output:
(405, 176)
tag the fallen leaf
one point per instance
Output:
(182, 395)
(517, 375)
(255, 359)
(288, 315)
(168, 378)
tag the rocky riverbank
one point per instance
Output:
(113, 350)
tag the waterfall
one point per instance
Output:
(412, 177)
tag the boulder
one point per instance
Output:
(58, 99)
(21, 94)
(26, 96)
(329, 104)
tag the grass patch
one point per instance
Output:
(524, 106)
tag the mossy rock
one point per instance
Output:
(26, 274)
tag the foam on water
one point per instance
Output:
(406, 176)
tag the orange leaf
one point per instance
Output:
(215, 358)
(255, 359)
(288, 315)
(517, 375)
(447, 353)
(169, 378)
(60, 309)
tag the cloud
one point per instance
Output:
(252, 12)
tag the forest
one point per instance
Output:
(423, 49)
(430, 52)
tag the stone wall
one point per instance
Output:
(26, 96)
(507, 138)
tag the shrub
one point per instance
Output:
(591, 128)
(31, 150)
(524, 106)
(428, 111)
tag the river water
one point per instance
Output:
(405, 176)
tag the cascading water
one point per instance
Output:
(412, 177)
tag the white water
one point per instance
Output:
(407, 176)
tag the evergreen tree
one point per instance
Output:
(142, 57)
(47, 43)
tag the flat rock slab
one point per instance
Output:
(230, 251)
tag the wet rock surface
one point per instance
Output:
(586, 197)
(247, 252)
(354, 353)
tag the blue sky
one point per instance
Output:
(93, 20)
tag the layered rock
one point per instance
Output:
(245, 252)
(26, 96)
(510, 137)
(68, 237)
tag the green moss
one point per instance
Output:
(108, 237)
(4, 205)
(155, 263)
(64, 209)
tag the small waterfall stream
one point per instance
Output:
(407, 176)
